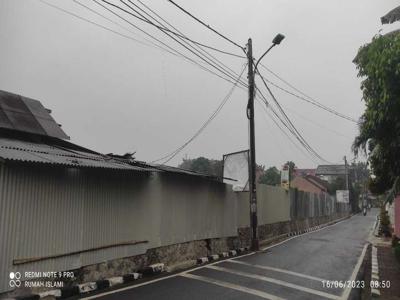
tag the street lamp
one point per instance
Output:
(276, 41)
(255, 246)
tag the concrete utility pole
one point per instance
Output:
(255, 245)
(252, 182)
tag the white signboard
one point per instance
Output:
(236, 170)
(285, 176)
(342, 196)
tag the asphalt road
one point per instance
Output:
(299, 268)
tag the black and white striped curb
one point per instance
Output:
(214, 257)
(310, 229)
(95, 285)
(314, 228)
(375, 293)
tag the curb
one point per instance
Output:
(215, 257)
(301, 232)
(375, 293)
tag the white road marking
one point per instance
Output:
(275, 281)
(153, 281)
(233, 286)
(277, 270)
(353, 277)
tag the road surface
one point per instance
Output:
(300, 268)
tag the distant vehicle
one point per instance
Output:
(365, 204)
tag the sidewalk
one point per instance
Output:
(388, 269)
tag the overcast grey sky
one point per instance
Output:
(112, 94)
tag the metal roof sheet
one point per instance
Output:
(175, 170)
(27, 115)
(23, 151)
(331, 170)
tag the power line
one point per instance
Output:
(123, 27)
(173, 27)
(177, 53)
(183, 44)
(177, 34)
(287, 118)
(288, 123)
(284, 123)
(317, 124)
(172, 37)
(172, 154)
(206, 25)
(153, 45)
(166, 45)
(225, 52)
(94, 23)
(285, 133)
(182, 37)
(305, 97)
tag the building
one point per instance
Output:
(309, 183)
(303, 172)
(331, 172)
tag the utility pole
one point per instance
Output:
(252, 182)
(347, 172)
(255, 245)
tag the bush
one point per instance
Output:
(385, 223)
(397, 252)
(395, 241)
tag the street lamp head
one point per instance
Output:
(278, 39)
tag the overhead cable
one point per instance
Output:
(206, 25)
(304, 96)
(172, 154)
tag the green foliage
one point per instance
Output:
(397, 252)
(385, 222)
(271, 176)
(203, 165)
(338, 184)
(378, 63)
(292, 166)
(395, 241)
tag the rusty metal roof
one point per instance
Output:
(27, 115)
(175, 170)
(331, 170)
(31, 152)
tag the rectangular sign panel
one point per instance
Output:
(342, 196)
(236, 170)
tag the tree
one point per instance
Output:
(292, 167)
(203, 165)
(378, 63)
(271, 176)
(338, 184)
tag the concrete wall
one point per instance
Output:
(51, 210)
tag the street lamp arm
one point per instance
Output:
(262, 56)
